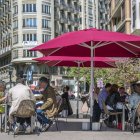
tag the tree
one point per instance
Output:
(127, 70)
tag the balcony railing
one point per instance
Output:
(57, 16)
(117, 26)
(63, 19)
(5, 49)
(117, 4)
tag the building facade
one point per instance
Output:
(135, 17)
(103, 16)
(88, 14)
(5, 37)
(26, 24)
(120, 16)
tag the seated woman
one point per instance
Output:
(123, 94)
(67, 105)
(111, 102)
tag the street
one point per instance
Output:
(71, 130)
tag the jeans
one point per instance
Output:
(23, 120)
(41, 117)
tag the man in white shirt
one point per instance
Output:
(16, 95)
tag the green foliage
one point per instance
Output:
(127, 70)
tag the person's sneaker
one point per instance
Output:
(28, 129)
(16, 129)
(46, 126)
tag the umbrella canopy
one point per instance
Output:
(104, 43)
(72, 61)
(92, 42)
(77, 62)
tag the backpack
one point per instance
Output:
(138, 110)
(26, 109)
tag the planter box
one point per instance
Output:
(96, 126)
(85, 126)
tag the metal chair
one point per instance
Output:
(26, 109)
(55, 117)
(108, 113)
(135, 115)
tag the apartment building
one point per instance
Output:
(103, 16)
(120, 16)
(26, 24)
(5, 37)
(88, 14)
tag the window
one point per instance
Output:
(53, 70)
(90, 1)
(15, 39)
(29, 37)
(15, 54)
(29, 7)
(30, 22)
(15, 9)
(123, 11)
(46, 9)
(90, 11)
(45, 23)
(15, 24)
(45, 37)
(134, 16)
(90, 23)
(27, 53)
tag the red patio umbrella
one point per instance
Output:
(77, 62)
(100, 62)
(92, 42)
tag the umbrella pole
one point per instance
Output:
(91, 89)
(78, 91)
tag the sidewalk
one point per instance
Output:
(72, 131)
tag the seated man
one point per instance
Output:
(103, 95)
(49, 108)
(16, 95)
(134, 98)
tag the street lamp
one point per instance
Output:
(10, 70)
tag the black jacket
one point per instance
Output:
(113, 99)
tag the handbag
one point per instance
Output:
(85, 107)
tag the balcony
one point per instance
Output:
(57, 16)
(71, 21)
(76, 10)
(5, 50)
(61, 5)
(117, 6)
(57, 3)
(119, 25)
(63, 19)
